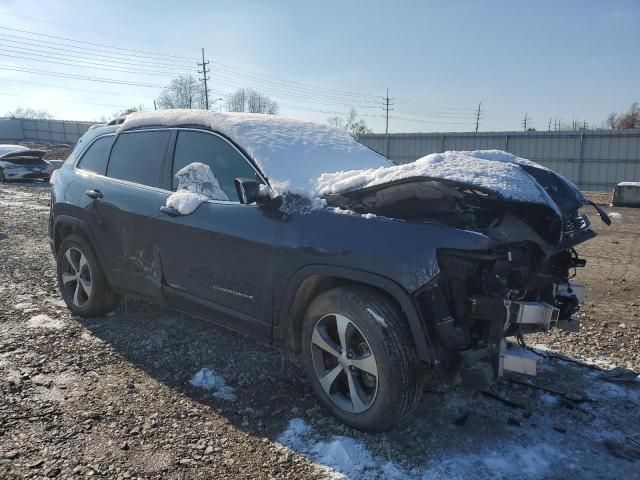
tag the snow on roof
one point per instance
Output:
(292, 153)
(7, 148)
(629, 184)
(491, 169)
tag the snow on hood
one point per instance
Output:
(490, 169)
(6, 149)
(292, 153)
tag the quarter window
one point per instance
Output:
(223, 159)
(96, 156)
(137, 156)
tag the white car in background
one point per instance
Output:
(18, 162)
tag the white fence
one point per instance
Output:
(42, 131)
(595, 160)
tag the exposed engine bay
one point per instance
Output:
(521, 285)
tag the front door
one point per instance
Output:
(218, 260)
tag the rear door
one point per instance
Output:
(123, 198)
(218, 261)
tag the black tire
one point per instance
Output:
(384, 328)
(3, 179)
(100, 300)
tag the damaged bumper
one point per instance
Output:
(481, 298)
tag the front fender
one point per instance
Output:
(300, 291)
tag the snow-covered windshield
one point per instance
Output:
(292, 153)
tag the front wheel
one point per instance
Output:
(359, 355)
(82, 281)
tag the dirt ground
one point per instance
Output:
(111, 397)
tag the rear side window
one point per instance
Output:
(96, 156)
(224, 160)
(137, 156)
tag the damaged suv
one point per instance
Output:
(382, 276)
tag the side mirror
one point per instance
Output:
(249, 192)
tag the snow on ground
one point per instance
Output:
(196, 185)
(210, 380)
(614, 214)
(558, 438)
(342, 457)
(45, 321)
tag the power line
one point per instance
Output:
(77, 77)
(65, 101)
(102, 92)
(83, 42)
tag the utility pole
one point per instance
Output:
(525, 120)
(387, 107)
(204, 72)
(549, 123)
(478, 116)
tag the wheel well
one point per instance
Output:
(64, 229)
(310, 288)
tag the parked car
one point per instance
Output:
(18, 162)
(382, 277)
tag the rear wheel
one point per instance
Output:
(359, 355)
(81, 280)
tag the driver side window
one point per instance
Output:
(225, 162)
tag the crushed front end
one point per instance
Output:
(522, 284)
(480, 298)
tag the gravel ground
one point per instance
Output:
(111, 397)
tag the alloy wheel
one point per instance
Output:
(76, 277)
(344, 363)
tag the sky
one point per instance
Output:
(558, 60)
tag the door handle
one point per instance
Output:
(172, 212)
(95, 194)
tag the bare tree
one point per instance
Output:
(624, 121)
(29, 113)
(184, 91)
(249, 100)
(357, 127)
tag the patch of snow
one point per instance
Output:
(629, 184)
(548, 400)
(482, 169)
(614, 214)
(45, 321)
(198, 178)
(378, 317)
(57, 303)
(210, 380)
(342, 457)
(8, 148)
(185, 202)
(196, 185)
(292, 153)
